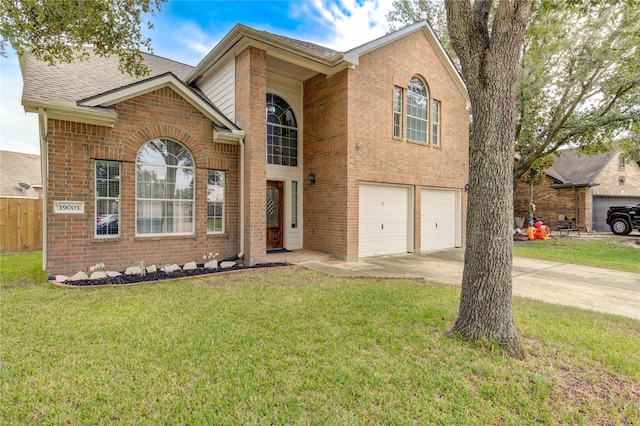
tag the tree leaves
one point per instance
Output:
(579, 80)
(57, 31)
(407, 12)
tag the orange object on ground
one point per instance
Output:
(540, 232)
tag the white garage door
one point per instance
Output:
(384, 213)
(439, 219)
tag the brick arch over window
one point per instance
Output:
(161, 131)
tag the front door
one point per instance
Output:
(274, 214)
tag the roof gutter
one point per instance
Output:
(573, 185)
(59, 109)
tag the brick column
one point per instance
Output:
(251, 83)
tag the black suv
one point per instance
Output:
(623, 219)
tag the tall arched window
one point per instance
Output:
(282, 132)
(165, 178)
(417, 110)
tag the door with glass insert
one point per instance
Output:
(274, 214)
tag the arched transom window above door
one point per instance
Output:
(282, 132)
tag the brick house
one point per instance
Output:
(583, 187)
(359, 153)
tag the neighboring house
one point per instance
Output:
(359, 153)
(20, 175)
(583, 187)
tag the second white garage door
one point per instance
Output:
(440, 217)
(384, 220)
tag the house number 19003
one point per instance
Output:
(76, 207)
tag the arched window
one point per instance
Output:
(282, 132)
(165, 178)
(417, 110)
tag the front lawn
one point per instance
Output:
(622, 253)
(21, 268)
(299, 347)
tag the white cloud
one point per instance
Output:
(349, 23)
(196, 38)
(182, 40)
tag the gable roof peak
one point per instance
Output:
(353, 55)
(577, 168)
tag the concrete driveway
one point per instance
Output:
(598, 289)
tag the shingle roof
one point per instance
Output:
(16, 167)
(97, 75)
(315, 48)
(571, 167)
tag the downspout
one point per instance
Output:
(241, 141)
(44, 171)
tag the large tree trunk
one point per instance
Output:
(489, 60)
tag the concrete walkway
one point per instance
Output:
(598, 289)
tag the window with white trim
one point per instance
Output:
(165, 181)
(282, 132)
(417, 110)
(215, 202)
(435, 118)
(397, 112)
(107, 198)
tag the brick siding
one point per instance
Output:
(251, 83)
(325, 154)
(355, 106)
(552, 202)
(72, 149)
(351, 107)
(609, 179)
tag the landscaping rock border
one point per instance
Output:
(151, 277)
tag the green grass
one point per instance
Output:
(21, 268)
(294, 347)
(611, 253)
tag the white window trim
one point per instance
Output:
(223, 202)
(436, 124)
(98, 198)
(192, 200)
(298, 157)
(410, 117)
(397, 91)
(295, 212)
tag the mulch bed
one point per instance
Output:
(161, 276)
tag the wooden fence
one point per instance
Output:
(20, 224)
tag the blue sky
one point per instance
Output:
(186, 30)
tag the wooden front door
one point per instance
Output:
(274, 214)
